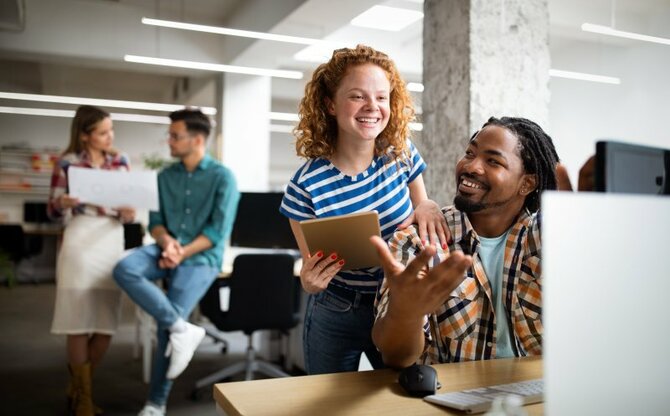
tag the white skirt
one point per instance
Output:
(87, 298)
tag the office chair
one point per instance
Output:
(11, 250)
(16, 246)
(264, 294)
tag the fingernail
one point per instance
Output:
(319, 254)
(451, 242)
(444, 246)
(334, 256)
(341, 262)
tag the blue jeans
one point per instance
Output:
(187, 284)
(337, 331)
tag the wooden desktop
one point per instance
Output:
(368, 392)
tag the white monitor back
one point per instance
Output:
(606, 290)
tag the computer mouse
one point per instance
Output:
(418, 380)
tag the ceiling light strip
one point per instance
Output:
(229, 32)
(50, 112)
(606, 30)
(135, 105)
(284, 116)
(281, 128)
(584, 76)
(415, 87)
(247, 70)
(416, 126)
(140, 118)
(387, 18)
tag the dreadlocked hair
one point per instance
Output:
(537, 152)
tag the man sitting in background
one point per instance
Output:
(485, 300)
(198, 203)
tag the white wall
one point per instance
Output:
(636, 111)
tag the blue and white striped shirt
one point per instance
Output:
(319, 189)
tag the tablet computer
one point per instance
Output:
(347, 235)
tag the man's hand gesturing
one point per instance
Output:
(414, 290)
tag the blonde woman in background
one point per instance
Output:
(88, 301)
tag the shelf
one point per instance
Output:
(28, 173)
(27, 191)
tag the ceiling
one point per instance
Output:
(68, 46)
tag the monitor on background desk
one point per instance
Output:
(35, 213)
(606, 290)
(632, 168)
(259, 224)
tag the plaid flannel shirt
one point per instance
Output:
(59, 184)
(464, 328)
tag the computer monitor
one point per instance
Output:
(35, 213)
(605, 293)
(631, 168)
(259, 224)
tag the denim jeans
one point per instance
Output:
(337, 331)
(186, 285)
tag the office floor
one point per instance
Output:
(33, 373)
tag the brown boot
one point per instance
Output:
(82, 403)
(71, 392)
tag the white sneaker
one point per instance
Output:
(181, 347)
(150, 410)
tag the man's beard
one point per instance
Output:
(465, 205)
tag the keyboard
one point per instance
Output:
(479, 400)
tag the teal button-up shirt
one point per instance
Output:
(202, 202)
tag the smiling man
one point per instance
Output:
(480, 298)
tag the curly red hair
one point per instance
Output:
(316, 132)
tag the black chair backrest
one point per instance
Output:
(264, 294)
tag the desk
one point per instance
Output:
(46, 230)
(368, 392)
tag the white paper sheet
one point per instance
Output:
(113, 189)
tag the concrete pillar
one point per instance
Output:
(245, 129)
(481, 58)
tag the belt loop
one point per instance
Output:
(357, 299)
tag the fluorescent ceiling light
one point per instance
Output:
(315, 53)
(141, 118)
(416, 126)
(50, 112)
(136, 105)
(387, 18)
(284, 116)
(605, 30)
(415, 87)
(248, 70)
(281, 128)
(230, 32)
(584, 77)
